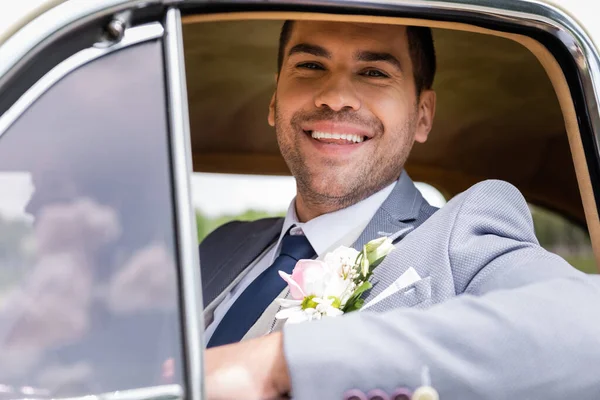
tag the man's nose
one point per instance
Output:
(338, 93)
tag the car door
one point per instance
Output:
(99, 287)
(92, 168)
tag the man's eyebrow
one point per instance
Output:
(371, 56)
(313, 49)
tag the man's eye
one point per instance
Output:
(374, 73)
(310, 65)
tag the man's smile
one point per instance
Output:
(327, 137)
(326, 132)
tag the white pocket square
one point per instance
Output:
(409, 277)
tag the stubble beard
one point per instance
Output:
(335, 191)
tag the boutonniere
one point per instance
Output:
(334, 286)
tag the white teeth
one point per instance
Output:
(343, 136)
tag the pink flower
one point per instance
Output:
(316, 278)
(305, 278)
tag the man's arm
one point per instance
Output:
(527, 325)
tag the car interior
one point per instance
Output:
(504, 109)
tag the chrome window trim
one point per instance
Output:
(163, 392)
(181, 156)
(132, 36)
(54, 23)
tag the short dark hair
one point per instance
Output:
(420, 44)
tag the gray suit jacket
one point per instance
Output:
(495, 316)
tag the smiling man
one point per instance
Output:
(348, 108)
(466, 304)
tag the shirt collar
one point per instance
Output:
(323, 231)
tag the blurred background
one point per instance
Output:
(221, 198)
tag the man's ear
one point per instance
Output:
(271, 117)
(426, 113)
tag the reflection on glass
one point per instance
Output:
(88, 284)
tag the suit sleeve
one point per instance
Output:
(526, 325)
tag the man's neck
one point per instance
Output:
(305, 212)
(310, 207)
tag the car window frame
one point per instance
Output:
(549, 22)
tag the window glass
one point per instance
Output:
(88, 283)
(559, 235)
(251, 197)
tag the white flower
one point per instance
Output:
(294, 313)
(325, 307)
(342, 260)
(377, 249)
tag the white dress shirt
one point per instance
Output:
(325, 233)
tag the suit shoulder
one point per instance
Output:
(494, 195)
(237, 229)
(495, 206)
(494, 188)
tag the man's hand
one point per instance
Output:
(255, 370)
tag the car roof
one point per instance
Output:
(18, 13)
(15, 14)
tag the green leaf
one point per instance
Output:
(357, 261)
(356, 305)
(355, 302)
(362, 288)
(376, 263)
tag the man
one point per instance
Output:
(491, 314)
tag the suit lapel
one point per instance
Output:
(395, 216)
(399, 215)
(216, 279)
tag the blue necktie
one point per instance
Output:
(246, 310)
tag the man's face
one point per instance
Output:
(346, 110)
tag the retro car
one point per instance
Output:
(108, 106)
